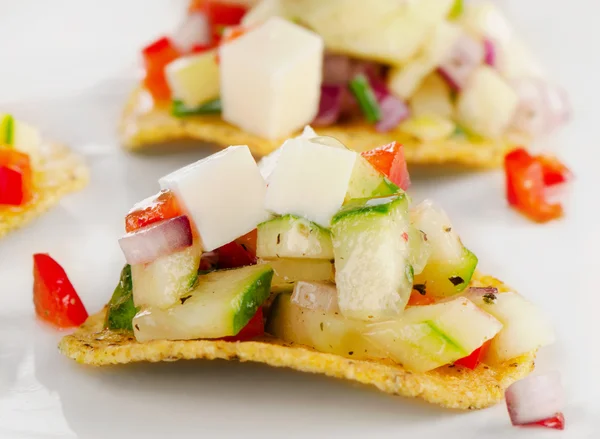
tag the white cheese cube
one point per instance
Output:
(271, 79)
(487, 105)
(310, 180)
(223, 195)
(194, 79)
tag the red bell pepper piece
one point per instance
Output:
(526, 178)
(54, 297)
(254, 328)
(557, 422)
(220, 14)
(472, 361)
(418, 299)
(234, 255)
(156, 57)
(554, 171)
(389, 160)
(248, 241)
(156, 208)
(16, 177)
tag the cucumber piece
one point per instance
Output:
(290, 236)
(430, 336)
(161, 282)
(121, 309)
(289, 271)
(368, 182)
(420, 249)
(451, 265)
(372, 259)
(325, 332)
(525, 329)
(179, 109)
(21, 136)
(220, 304)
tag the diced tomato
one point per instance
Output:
(389, 160)
(525, 186)
(54, 297)
(234, 255)
(254, 328)
(418, 299)
(156, 208)
(220, 14)
(557, 422)
(472, 361)
(156, 57)
(16, 178)
(200, 48)
(554, 171)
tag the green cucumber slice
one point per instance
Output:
(179, 109)
(162, 282)
(368, 182)
(220, 304)
(288, 271)
(290, 236)
(450, 265)
(121, 309)
(325, 332)
(7, 130)
(372, 257)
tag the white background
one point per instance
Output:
(67, 65)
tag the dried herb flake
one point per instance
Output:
(456, 280)
(421, 288)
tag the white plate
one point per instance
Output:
(43, 394)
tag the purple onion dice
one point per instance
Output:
(466, 54)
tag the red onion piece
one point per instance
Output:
(330, 106)
(321, 296)
(209, 261)
(336, 69)
(393, 111)
(466, 54)
(483, 290)
(150, 243)
(194, 31)
(534, 399)
(489, 52)
(542, 107)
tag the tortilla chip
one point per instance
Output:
(449, 386)
(59, 172)
(144, 123)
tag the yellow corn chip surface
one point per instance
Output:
(452, 387)
(143, 124)
(58, 172)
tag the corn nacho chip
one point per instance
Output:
(58, 172)
(144, 123)
(449, 386)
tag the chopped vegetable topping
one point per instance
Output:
(220, 14)
(54, 297)
(457, 9)
(179, 109)
(472, 361)
(526, 181)
(121, 308)
(254, 328)
(363, 92)
(234, 255)
(389, 160)
(15, 177)
(156, 57)
(156, 208)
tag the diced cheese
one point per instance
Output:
(194, 79)
(487, 105)
(310, 180)
(267, 164)
(223, 194)
(271, 78)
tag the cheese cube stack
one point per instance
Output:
(223, 194)
(271, 78)
(309, 180)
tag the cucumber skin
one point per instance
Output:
(8, 126)
(467, 269)
(377, 206)
(286, 221)
(121, 309)
(252, 299)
